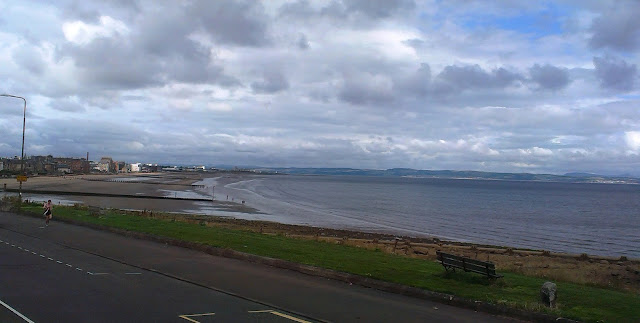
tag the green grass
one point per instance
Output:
(575, 301)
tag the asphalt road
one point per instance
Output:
(67, 273)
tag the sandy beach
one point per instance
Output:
(180, 195)
(614, 272)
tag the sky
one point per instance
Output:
(503, 86)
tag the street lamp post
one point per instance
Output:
(24, 122)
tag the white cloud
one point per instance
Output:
(135, 145)
(536, 151)
(81, 33)
(632, 138)
(181, 104)
(219, 106)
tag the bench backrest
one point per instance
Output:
(467, 264)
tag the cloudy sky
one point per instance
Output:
(515, 86)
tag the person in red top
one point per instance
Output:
(47, 212)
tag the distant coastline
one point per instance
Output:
(452, 174)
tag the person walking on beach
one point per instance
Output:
(47, 212)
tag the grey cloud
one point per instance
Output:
(474, 77)
(296, 9)
(241, 23)
(342, 10)
(145, 59)
(366, 89)
(471, 84)
(615, 73)
(378, 8)
(158, 47)
(549, 77)
(28, 58)
(67, 105)
(273, 81)
(89, 11)
(113, 63)
(415, 43)
(617, 28)
(303, 43)
(166, 35)
(417, 83)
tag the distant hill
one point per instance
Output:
(581, 175)
(408, 172)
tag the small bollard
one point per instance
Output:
(549, 294)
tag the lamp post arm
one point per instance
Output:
(24, 123)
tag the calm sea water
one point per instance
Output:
(599, 219)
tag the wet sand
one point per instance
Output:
(144, 184)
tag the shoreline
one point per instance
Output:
(157, 192)
(620, 272)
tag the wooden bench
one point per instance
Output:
(450, 261)
(95, 210)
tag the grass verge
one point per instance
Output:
(580, 302)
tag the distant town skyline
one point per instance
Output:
(498, 86)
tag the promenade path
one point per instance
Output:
(68, 273)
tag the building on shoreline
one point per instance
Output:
(45, 165)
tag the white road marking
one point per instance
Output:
(16, 312)
(58, 261)
(289, 317)
(186, 317)
(133, 273)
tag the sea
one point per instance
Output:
(591, 218)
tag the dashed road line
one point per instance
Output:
(66, 264)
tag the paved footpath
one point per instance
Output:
(68, 273)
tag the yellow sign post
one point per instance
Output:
(21, 178)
